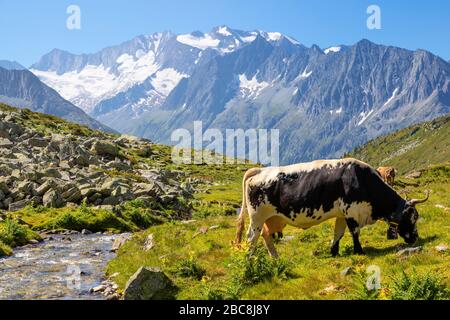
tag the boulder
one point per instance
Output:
(47, 185)
(52, 199)
(72, 195)
(120, 241)
(103, 148)
(37, 142)
(16, 206)
(5, 143)
(149, 284)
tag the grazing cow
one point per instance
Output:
(388, 174)
(307, 194)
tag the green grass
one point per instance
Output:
(12, 234)
(412, 148)
(132, 216)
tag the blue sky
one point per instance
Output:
(29, 29)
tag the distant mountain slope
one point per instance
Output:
(11, 65)
(23, 89)
(415, 147)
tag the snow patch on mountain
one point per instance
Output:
(364, 116)
(251, 88)
(224, 31)
(394, 94)
(96, 83)
(305, 74)
(336, 111)
(200, 42)
(332, 50)
(164, 81)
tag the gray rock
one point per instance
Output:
(409, 251)
(441, 248)
(37, 142)
(103, 148)
(149, 242)
(52, 199)
(47, 185)
(120, 241)
(149, 284)
(5, 143)
(86, 232)
(347, 271)
(72, 195)
(16, 206)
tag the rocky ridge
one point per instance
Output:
(55, 170)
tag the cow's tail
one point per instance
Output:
(241, 219)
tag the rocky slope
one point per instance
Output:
(49, 162)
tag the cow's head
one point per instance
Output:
(405, 223)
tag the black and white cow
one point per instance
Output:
(307, 194)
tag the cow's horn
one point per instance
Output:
(413, 202)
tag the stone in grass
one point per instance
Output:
(347, 271)
(149, 243)
(120, 241)
(149, 284)
(409, 251)
(441, 247)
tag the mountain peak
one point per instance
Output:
(11, 65)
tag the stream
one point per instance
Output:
(57, 268)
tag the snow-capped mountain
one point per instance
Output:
(163, 59)
(22, 89)
(323, 101)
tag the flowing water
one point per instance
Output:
(57, 268)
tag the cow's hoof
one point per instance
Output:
(334, 252)
(359, 252)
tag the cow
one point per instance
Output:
(388, 174)
(307, 194)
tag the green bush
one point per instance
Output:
(189, 268)
(250, 269)
(5, 250)
(14, 234)
(418, 286)
(360, 290)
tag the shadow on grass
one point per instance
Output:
(371, 251)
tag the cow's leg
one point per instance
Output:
(254, 231)
(339, 230)
(269, 244)
(353, 226)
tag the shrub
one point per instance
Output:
(250, 269)
(13, 234)
(418, 286)
(361, 291)
(4, 250)
(189, 268)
